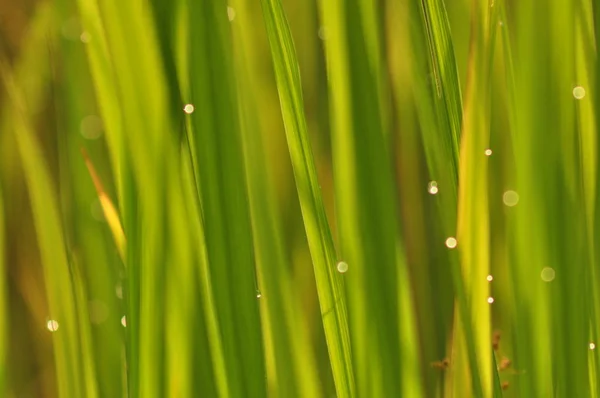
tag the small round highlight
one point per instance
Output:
(548, 274)
(189, 109)
(258, 294)
(488, 152)
(451, 242)
(342, 267)
(489, 278)
(230, 13)
(490, 300)
(52, 325)
(432, 187)
(510, 198)
(578, 92)
(592, 346)
(124, 321)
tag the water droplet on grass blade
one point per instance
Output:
(432, 187)
(510, 198)
(189, 109)
(489, 278)
(592, 346)
(490, 300)
(578, 92)
(342, 267)
(124, 321)
(488, 152)
(548, 274)
(52, 325)
(451, 242)
(258, 294)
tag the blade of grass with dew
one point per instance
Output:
(95, 263)
(442, 64)
(192, 196)
(586, 121)
(57, 277)
(224, 198)
(366, 212)
(473, 213)
(549, 221)
(441, 148)
(329, 282)
(148, 149)
(104, 79)
(419, 200)
(294, 365)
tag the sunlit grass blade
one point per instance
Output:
(110, 212)
(367, 216)
(61, 299)
(473, 230)
(549, 230)
(222, 186)
(329, 282)
(442, 65)
(294, 372)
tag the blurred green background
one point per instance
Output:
(153, 249)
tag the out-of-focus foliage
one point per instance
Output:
(299, 199)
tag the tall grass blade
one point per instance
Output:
(220, 162)
(329, 282)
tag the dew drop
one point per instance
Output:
(124, 321)
(592, 346)
(432, 187)
(52, 325)
(510, 198)
(189, 109)
(230, 13)
(548, 274)
(578, 92)
(451, 242)
(490, 300)
(489, 278)
(488, 152)
(342, 267)
(258, 294)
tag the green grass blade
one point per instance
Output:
(61, 298)
(217, 140)
(329, 282)
(294, 370)
(442, 64)
(365, 202)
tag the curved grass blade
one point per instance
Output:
(329, 282)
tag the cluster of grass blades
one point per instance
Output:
(349, 198)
